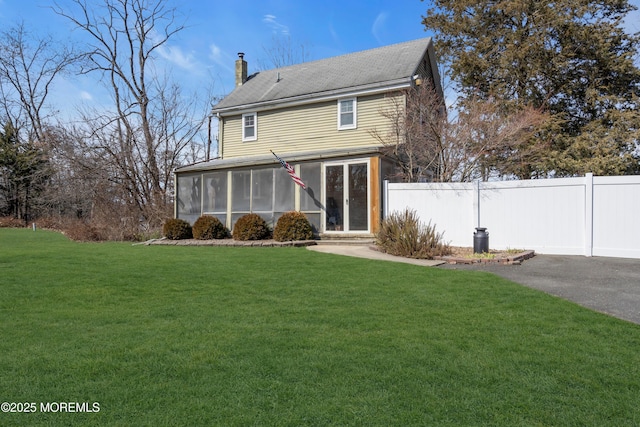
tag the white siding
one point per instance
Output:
(310, 127)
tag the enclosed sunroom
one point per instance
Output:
(342, 195)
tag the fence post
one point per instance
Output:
(476, 203)
(385, 199)
(588, 214)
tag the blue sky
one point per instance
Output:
(326, 28)
(218, 29)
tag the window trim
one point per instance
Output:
(255, 127)
(353, 125)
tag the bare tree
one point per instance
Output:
(480, 142)
(143, 139)
(283, 52)
(75, 177)
(28, 67)
(484, 141)
(414, 132)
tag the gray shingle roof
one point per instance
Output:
(269, 159)
(374, 68)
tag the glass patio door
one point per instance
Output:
(347, 197)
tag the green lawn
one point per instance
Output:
(203, 336)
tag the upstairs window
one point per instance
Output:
(347, 114)
(249, 127)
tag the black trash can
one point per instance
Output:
(480, 241)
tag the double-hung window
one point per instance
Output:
(347, 113)
(249, 127)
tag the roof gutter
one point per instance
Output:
(292, 157)
(315, 97)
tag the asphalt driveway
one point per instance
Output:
(607, 285)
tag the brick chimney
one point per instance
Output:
(241, 70)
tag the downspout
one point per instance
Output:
(175, 194)
(208, 153)
(220, 136)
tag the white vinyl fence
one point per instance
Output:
(591, 216)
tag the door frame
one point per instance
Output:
(345, 205)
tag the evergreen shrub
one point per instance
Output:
(177, 229)
(209, 227)
(402, 234)
(251, 227)
(292, 226)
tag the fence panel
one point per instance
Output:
(448, 206)
(569, 216)
(544, 215)
(616, 216)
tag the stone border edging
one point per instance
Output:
(515, 259)
(230, 242)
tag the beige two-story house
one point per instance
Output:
(317, 116)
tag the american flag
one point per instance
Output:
(291, 171)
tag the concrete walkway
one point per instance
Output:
(365, 251)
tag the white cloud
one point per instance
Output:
(221, 58)
(334, 34)
(84, 95)
(378, 27)
(215, 52)
(276, 27)
(175, 55)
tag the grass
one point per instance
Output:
(167, 335)
(483, 255)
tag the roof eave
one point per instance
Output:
(369, 89)
(269, 159)
(430, 52)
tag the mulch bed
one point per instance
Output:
(466, 256)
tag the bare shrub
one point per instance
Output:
(82, 231)
(51, 223)
(403, 234)
(11, 222)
